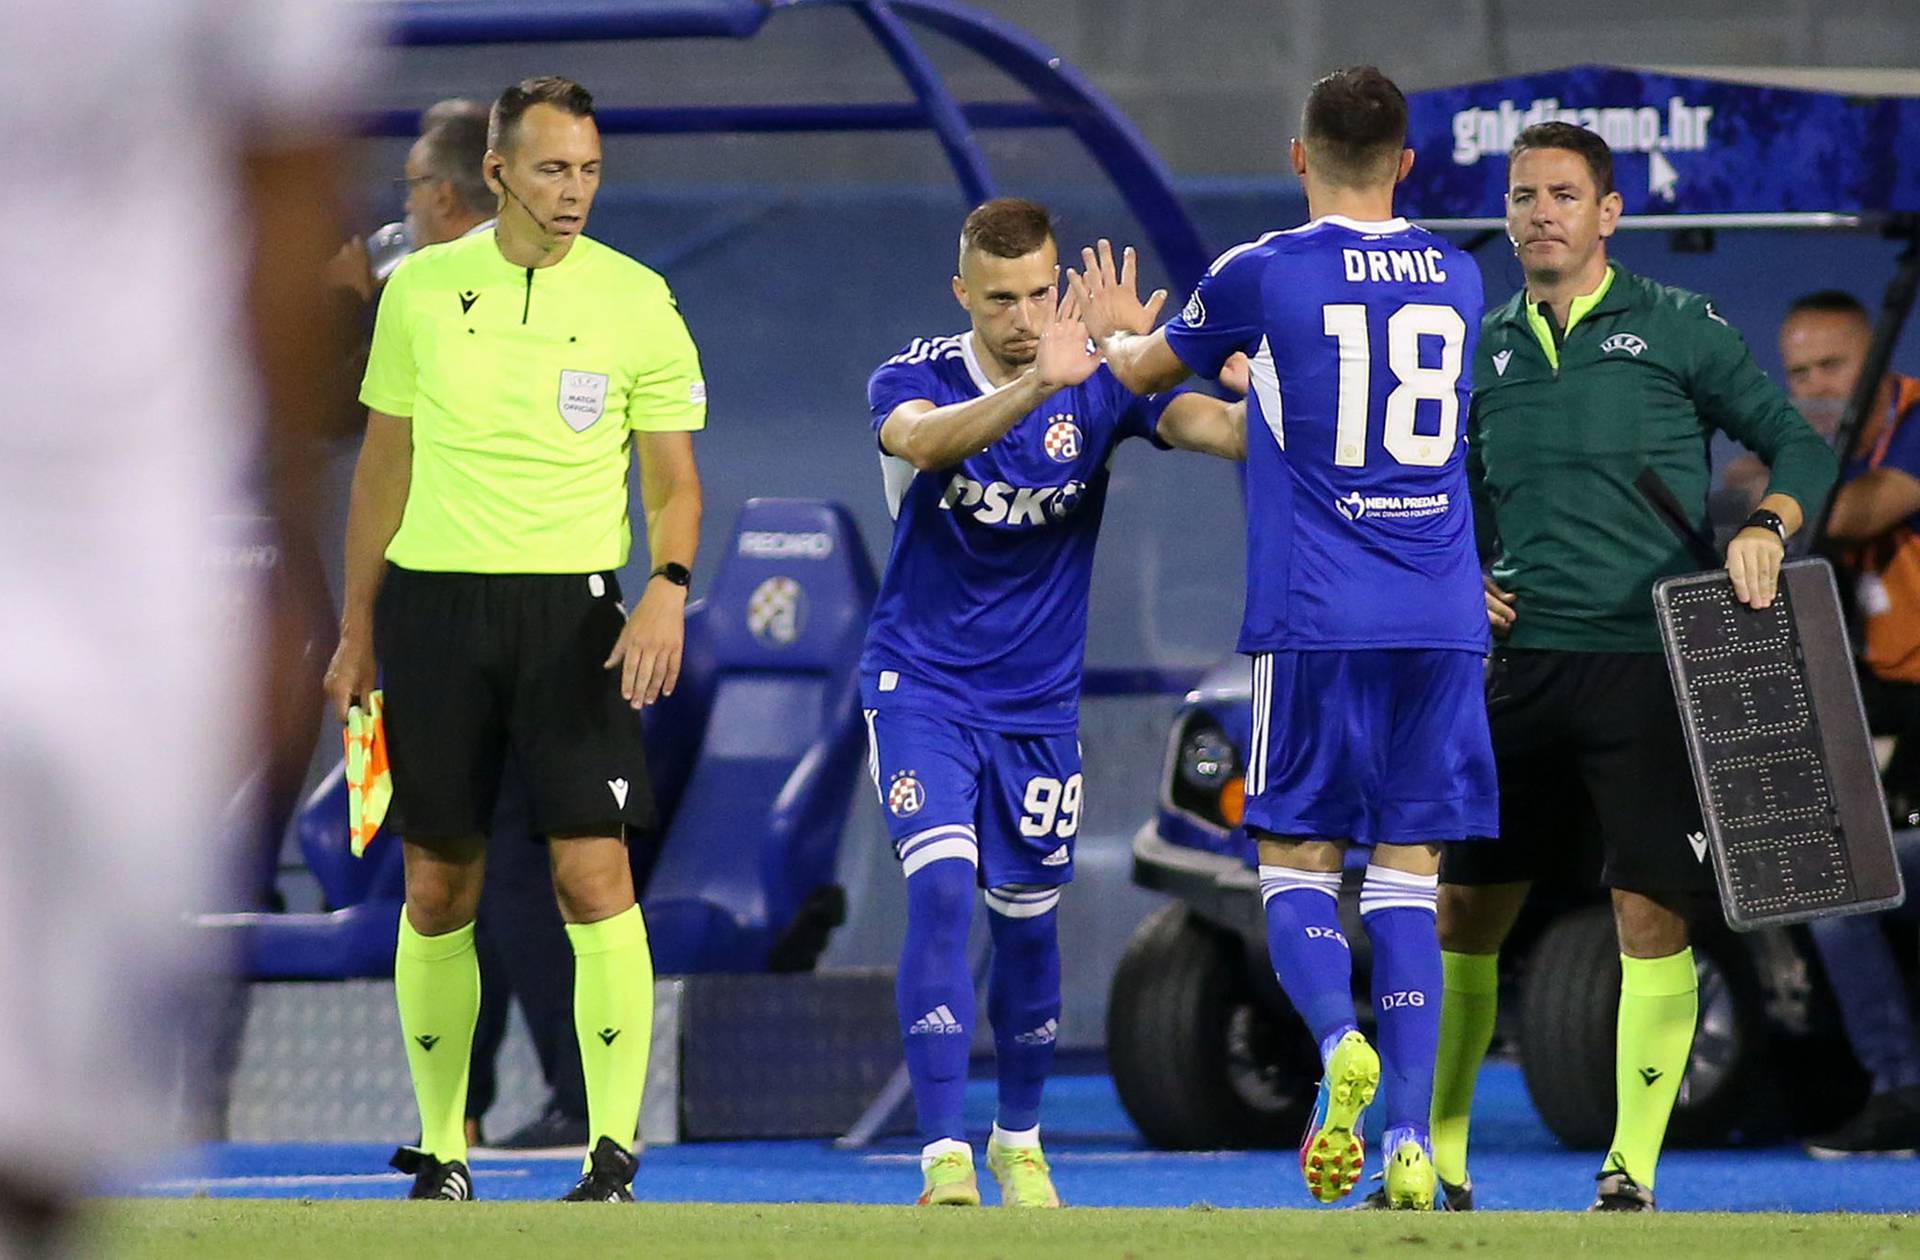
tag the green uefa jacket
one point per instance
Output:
(1643, 377)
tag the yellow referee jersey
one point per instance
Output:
(523, 384)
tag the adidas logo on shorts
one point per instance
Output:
(1056, 858)
(938, 1020)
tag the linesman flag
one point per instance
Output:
(369, 781)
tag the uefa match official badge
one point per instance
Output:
(583, 399)
(905, 796)
(1063, 440)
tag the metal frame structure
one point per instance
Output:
(1062, 98)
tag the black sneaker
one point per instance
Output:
(552, 1129)
(1619, 1192)
(609, 1176)
(433, 1179)
(1889, 1124)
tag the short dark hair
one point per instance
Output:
(1575, 139)
(1007, 227)
(455, 136)
(1829, 302)
(1355, 121)
(513, 104)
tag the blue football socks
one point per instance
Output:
(1023, 997)
(1309, 951)
(1397, 908)
(934, 993)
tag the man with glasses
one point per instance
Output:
(446, 196)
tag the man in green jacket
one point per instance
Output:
(1595, 394)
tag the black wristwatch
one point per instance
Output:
(681, 575)
(1764, 519)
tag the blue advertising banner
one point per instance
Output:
(1681, 145)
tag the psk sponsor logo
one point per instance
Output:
(1063, 440)
(776, 611)
(997, 503)
(1041, 1036)
(1194, 313)
(905, 796)
(1356, 506)
(1623, 341)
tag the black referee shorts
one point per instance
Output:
(473, 665)
(1589, 749)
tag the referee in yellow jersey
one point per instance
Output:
(511, 375)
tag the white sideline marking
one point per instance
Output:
(294, 1181)
(535, 1155)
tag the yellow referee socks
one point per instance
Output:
(1659, 1003)
(1469, 999)
(437, 982)
(613, 1013)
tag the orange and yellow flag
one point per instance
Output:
(369, 782)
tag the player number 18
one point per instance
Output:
(1049, 800)
(1347, 323)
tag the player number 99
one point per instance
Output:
(1052, 806)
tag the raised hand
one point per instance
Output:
(1066, 355)
(1110, 299)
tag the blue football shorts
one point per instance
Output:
(1011, 802)
(1380, 746)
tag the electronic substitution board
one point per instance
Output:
(1781, 756)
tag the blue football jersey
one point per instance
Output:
(1361, 337)
(982, 613)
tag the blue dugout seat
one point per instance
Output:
(744, 881)
(754, 758)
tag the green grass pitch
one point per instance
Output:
(288, 1229)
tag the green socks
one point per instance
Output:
(613, 1013)
(1658, 1006)
(1659, 1002)
(437, 982)
(1469, 999)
